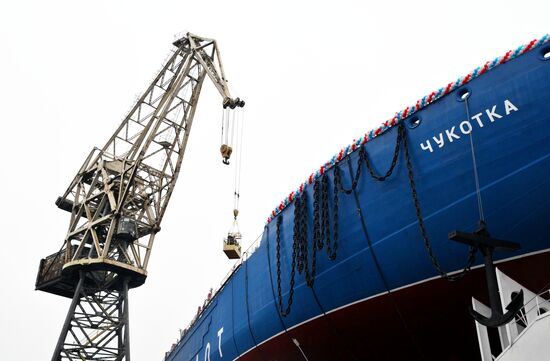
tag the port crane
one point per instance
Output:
(117, 201)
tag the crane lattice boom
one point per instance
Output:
(119, 196)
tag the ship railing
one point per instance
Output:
(526, 322)
(532, 309)
(246, 255)
(252, 248)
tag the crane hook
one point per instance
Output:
(226, 151)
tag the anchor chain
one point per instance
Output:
(355, 180)
(322, 225)
(300, 237)
(318, 232)
(300, 247)
(422, 226)
(331, 246)
(400, 136)
(292, 271)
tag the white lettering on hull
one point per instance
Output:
(207, 348)
(466, 126)
(220, 331)
(207, 352)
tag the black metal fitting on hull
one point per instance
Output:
(481, 240)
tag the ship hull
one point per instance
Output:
(425, 321)
(382, 297)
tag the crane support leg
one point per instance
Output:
(97, 324)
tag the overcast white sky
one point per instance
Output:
(314, 74)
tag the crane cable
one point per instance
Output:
(224, 139)
(223, 126)
(225, 147)
(232, 138)
(238, 127)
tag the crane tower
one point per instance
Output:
(116, 203)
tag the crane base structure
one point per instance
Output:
(117, 201)
(96, 326)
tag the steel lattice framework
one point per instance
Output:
(96, 327)
(117, 201)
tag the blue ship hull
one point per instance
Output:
(388, 301)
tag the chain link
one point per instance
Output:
(303, 257)
(331, 250)
(355, 180)
(424, 233)
(304, 235)
(292, 271)
(400, 133)
(318, 214)
(300, 248)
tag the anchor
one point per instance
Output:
(481, 240)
